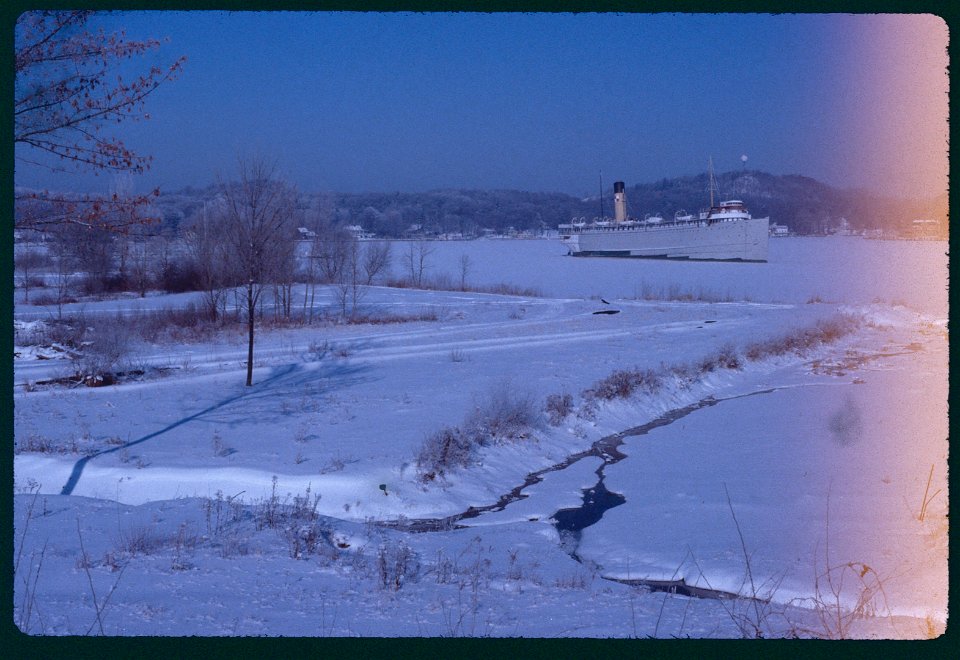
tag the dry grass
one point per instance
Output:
(558, 407)
(445, 283)
(504, 414)
(624, 383)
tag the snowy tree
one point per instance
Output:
(67, 89)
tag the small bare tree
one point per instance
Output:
(259, 211)
(138, 274)
(415, 260)
(92, 250)
(348, 284)
(376, 259)
(28, 263)
(207, 250)
(64, 270)
(140, 259)
(464, 270)
(284, 272)
(311, 274)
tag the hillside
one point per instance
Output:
(805, 205)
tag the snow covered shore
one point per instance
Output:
(207, 508)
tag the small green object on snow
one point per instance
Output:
(383, 487)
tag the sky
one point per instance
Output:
(375, 102)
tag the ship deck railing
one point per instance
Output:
(650, 226)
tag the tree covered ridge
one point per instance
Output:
(805, 205)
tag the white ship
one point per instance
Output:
(725, 232)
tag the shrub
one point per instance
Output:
(385, 319)
(44, 299)
(188, 323)
(35, 443)
(68, 332)
(396, 564)
(557, 407)
(180, 277)
(445, 283)
(29, 333)
(100, 358)
(443, 450)
(726, 358)
(503, 414)
(622, 383)
(800, 341)
(309, 539)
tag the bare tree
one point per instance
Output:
(415, 260)
(206, 248)
(464, 270)
(162, 262)
(348, 285)
(376, 259)
(63, 274)
(322, 218)
(92, 250)
(140, 266)
(259, 211)
(27, 263)
(331, 248)
(285, 268)
(311, 274)
(283, 276)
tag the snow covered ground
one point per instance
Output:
(195, 499)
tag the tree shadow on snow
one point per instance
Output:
(255, 403)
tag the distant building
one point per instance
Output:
(926, 228)
(359, 232)
(779, 231)
(843, 229)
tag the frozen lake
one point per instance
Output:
(836, 269)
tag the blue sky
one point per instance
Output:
(410, 102)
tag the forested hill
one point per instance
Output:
(806, 205)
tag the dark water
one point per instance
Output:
(596, 501)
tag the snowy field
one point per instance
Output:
(797, 492)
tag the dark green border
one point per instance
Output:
(17, 645)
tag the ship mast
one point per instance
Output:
(601, 195)
(710, 170)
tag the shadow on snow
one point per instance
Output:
(283, 382)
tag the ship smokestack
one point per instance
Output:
(619, 202)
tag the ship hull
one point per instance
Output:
(732, 240)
